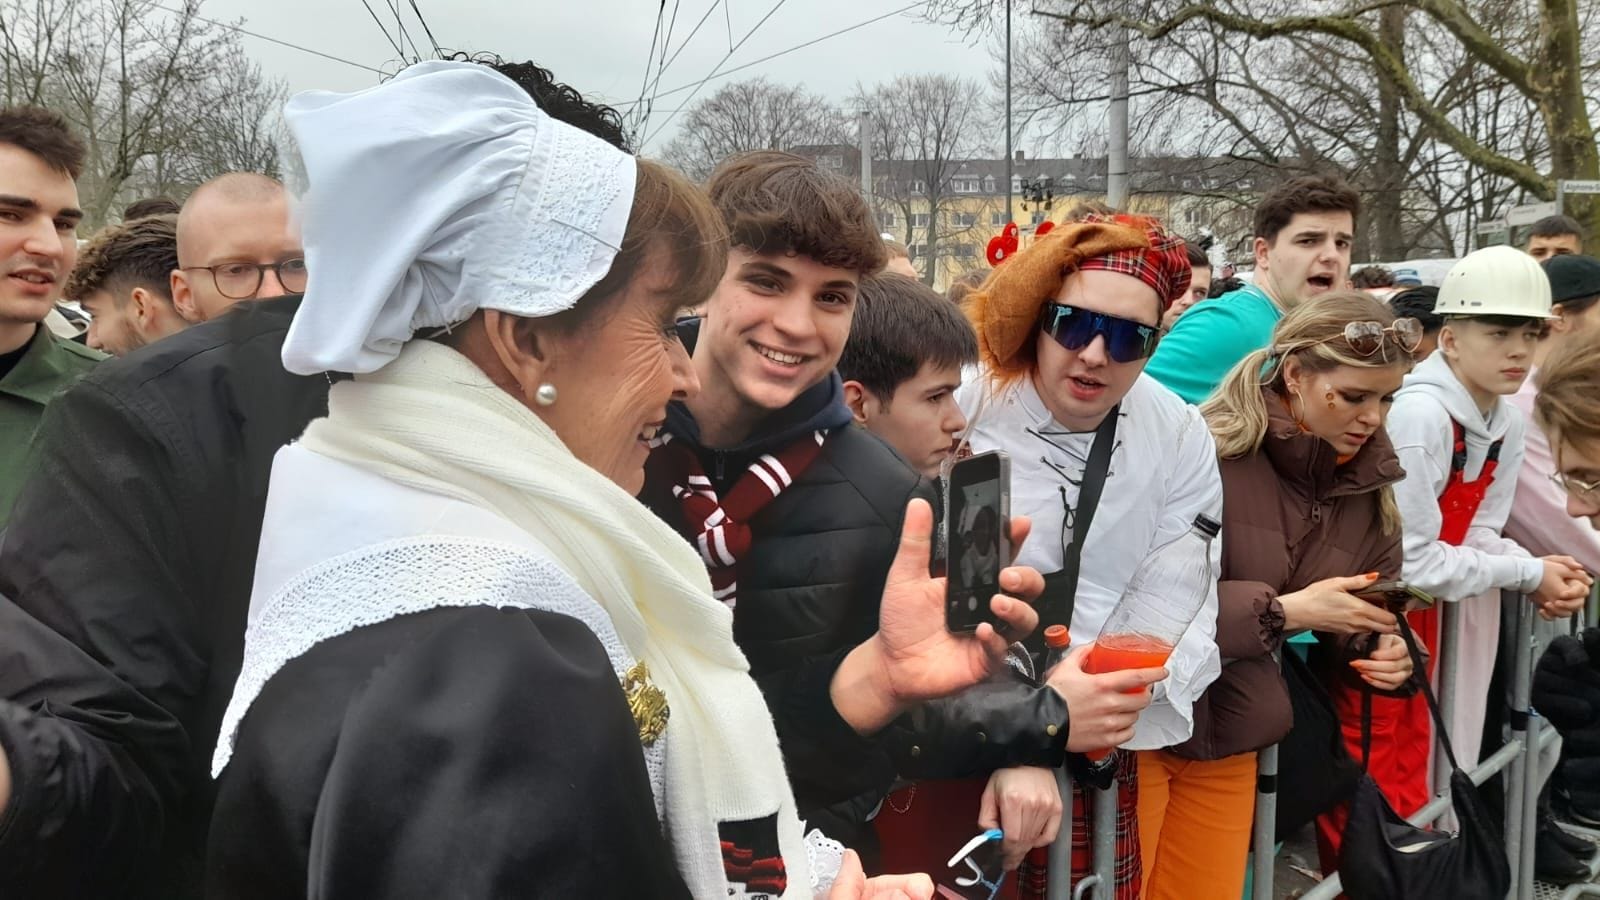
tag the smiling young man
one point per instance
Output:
(1303, 232)
(902, 365)
(39, 163)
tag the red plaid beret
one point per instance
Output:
(1164, 265)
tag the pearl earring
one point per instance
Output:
(545, 395)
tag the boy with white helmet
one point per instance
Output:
(1461, 444)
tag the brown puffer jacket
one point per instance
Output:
(1291, 516)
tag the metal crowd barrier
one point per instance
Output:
(1518, 758)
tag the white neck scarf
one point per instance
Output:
(432, 420)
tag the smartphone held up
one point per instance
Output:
(977, 537)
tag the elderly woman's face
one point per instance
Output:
(614, 381)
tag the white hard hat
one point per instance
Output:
(1495, 281)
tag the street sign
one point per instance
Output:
(1580, 187)
(1529, 213)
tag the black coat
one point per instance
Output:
(1566, 690)
(128, 564)
(809, 591)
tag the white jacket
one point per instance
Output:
(1162, 473)
(1420, 427)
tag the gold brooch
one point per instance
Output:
(647, 703)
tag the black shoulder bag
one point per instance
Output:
(1384, 857)
(1315, 772)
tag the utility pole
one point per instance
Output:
(864, 138)
(1009, 155)
(1117, 157)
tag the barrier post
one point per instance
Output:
(1515, 779)
(1104, 839)
(1445, 667)
(1266, 821)
(1529, 820)
(1058, 873)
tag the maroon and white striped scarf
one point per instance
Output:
(720, 526)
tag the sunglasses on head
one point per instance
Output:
(1366, 337)
(1074, 328)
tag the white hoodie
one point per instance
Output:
(1419, 425)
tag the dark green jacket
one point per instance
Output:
(45, 370)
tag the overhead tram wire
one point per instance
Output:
(398, 49)
(756, 62)
(775, 7)
(426, 30)
(655, 86)
(405, 34)
(271, 40)
(649, 57)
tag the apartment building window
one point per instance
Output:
(965, 251)
(966, 185)
(1038, 216)
(963, 219)
(1193, 216)
(919, 186)
(988, 184)
(886, 220)
(918, 251)
(833, 161)
(919, 220)
(997, 219)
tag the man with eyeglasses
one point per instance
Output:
(1106, 462)
(235, 244)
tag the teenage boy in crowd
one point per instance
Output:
(1199, 287)
(123, 281)
(39, 164)
(125, 580)
(1303, 232)
(1554, 236)
(1461, 445)
(901, 367)
(797, 512)
(1065, 329)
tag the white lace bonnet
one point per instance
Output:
(440, 192)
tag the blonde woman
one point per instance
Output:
(1309, 519)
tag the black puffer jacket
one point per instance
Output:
(809, 591)
(127, 563)
(1566, 690)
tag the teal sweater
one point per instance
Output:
(1210, 339)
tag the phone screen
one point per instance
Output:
(978, 543)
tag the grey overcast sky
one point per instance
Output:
(600, 46)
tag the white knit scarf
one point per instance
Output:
(431, 420)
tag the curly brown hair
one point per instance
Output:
(779, 203)
(138, 253)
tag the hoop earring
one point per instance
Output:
(1299, 417)
(545, 395)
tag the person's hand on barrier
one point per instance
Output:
(1564, 589)
(853, 884)
(1101, 709)
(913, 656)
(1025, 804)
(1388, 666)
(1331, 605)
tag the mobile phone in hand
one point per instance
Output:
(1397, 596)
(978, 538)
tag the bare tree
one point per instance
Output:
(163, 99)
(1535, 49)
(929, 130)
(753, 115)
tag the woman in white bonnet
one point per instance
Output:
(475, 666)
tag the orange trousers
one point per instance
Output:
(1194, 825)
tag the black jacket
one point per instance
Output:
(128, 564)
(1566, 690)
(809, 591)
